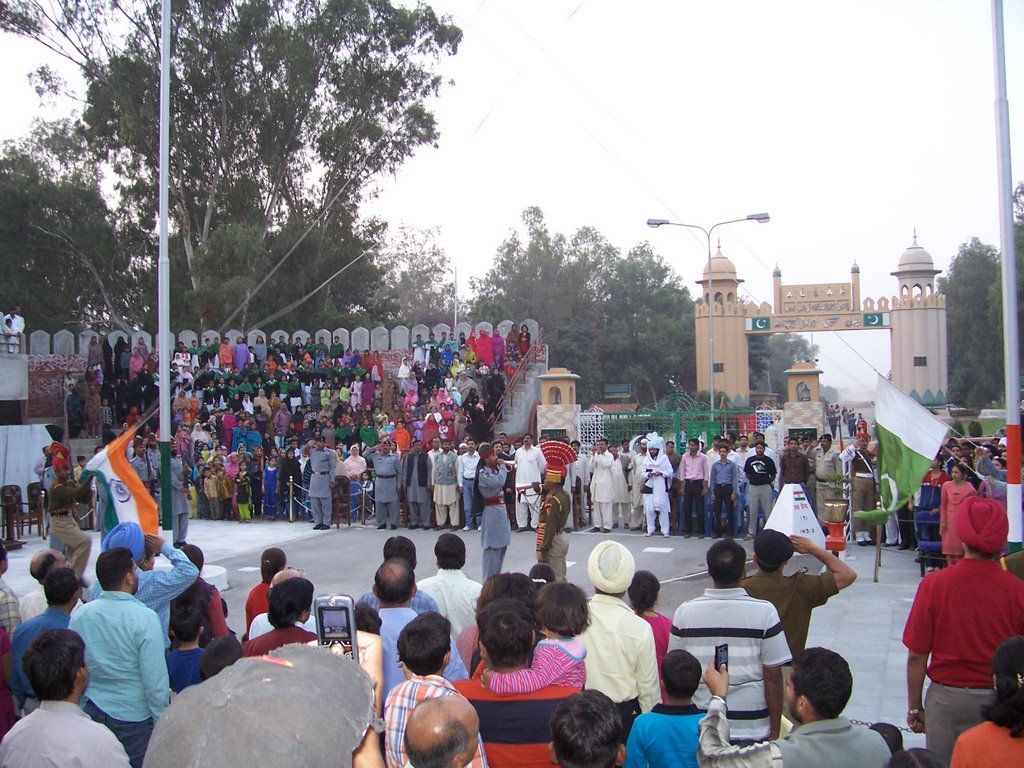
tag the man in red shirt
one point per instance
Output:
(515, 728)
(271, 561)
(960, 615)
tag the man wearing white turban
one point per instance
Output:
(657, 475)
(620, 661)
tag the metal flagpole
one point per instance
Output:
(1010, 320)
(163, 272)
(455, 299)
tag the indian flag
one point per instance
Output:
(131, 501)
(909, 436)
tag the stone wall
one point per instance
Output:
(51, 356)
(380, 339)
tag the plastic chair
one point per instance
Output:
(10, 499)
(929, 540)
(34, 510)
(342, 502)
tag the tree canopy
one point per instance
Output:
(68, 257)
(609, 317)
(282, 112)
(974, 318)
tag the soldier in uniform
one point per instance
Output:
(386, 467)
(324, 465)
(179, 499)
(552, 543)
(489, 502)
(140, 462)
(62, 497)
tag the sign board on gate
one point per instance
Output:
(618, 390)
(793, 516)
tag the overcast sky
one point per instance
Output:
(851, 124)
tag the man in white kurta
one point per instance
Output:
(579, 470)
(620, 510)
(636, 482)
(603, 467)
(530, 467)
(657, 474)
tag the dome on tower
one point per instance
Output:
(721, 268)
(916, 258)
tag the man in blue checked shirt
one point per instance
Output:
(725, 486)
(156, 588)
(124, 650)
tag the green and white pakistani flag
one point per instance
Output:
(909, 436)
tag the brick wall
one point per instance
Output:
(45, 384)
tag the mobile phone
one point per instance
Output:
(336, 622)
(721, 656)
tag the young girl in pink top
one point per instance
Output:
(558, 659)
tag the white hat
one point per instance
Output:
(611, 567)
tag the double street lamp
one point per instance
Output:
(760, 218)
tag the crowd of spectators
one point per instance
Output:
(246, 416)
(522, 670)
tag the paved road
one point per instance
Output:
(345, 561)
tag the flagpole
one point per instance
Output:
(1011, 362)
(163, 271)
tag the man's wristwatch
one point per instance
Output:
(912, 712)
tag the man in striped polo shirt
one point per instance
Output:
(726, 614)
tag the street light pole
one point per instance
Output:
(760, 218)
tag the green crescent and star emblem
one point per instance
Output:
(875, 319)
(762, 323)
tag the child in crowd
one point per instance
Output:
(225, 490)
(643, 596)
(666, 737)
(202, 500)
(365, 486)
(183, 663)
(561, 611)
(243, 493)
(270, 475)
(220, 654)
(106, 415)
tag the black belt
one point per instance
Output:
(61, 513)
(321, 473)
(965, 687)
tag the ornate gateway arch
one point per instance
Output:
(915, 317)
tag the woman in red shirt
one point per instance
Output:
(290, 603)
(643, 596)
